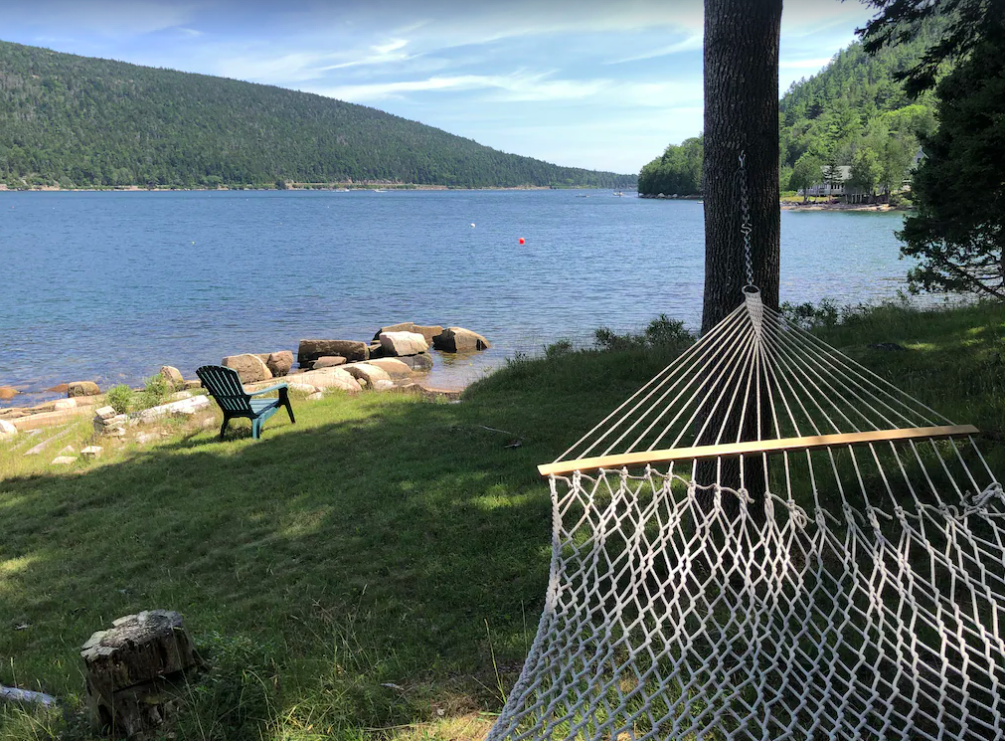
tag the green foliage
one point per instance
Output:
(858, 103)
(155, 391)
(902, 21)
(661, 333)
(677, 172)
(812, 316)
(120, 398)
(865, 170)
(958, 231)
(557, 349)
(855, 103)
(805, 172)
(90, 122)
(329, 611)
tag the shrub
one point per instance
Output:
(662, 333)
(557, 349)
(120, 398)
(823, 315)
(155, 391)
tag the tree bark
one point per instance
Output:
(741, 115)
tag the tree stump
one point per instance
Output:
(130, 668)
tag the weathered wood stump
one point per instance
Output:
(130, 668)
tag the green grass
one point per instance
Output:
(376, 570)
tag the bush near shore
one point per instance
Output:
(378, 569)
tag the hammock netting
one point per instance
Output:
(768, 541)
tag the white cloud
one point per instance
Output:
(190, 32)
(691, 43)
(513, 88)
(385, 49)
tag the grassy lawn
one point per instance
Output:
(376, 570)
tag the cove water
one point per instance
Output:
(110, 286)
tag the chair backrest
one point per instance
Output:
(224, 385)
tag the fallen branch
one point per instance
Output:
(13, 694)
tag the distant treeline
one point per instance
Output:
(854, 112)
(82, 122)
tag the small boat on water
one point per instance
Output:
(618, 194)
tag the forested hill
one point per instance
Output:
(79, 121)
(854, 112)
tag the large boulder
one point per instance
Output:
(333, 378)
(7, 429)
(311, 350)
(392, 367)
(173, 376)
(369, 373)
(279, 363)
(8, 392)
(185, 407)
(401, 327)
(458, 339)
(328, 361)
(403, 343)
(82, 388)
(249, 367)
(429, 332)
(418, 363)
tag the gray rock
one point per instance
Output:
(335, 378)
(7, 430)
(92, 451)
(64, 460)
(458, 339)
(279, 363)
(82, 388)
(401, 327)
(394, 367)
(173, 376)
(328, 361)
(311, 350)
(429, 332)
(887, 346)
(418, 363)
(366, 372)
(250, 368)
(403, 343)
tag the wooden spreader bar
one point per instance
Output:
(755, 447)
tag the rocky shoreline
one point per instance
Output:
(396, 358)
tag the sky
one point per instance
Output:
(585, 83)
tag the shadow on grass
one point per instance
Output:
(358, 570)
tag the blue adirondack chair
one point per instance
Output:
(225, 386)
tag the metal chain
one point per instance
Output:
(745, 227)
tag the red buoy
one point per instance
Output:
(521, 240)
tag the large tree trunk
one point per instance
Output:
(741, 115)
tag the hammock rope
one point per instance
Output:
(769, 541)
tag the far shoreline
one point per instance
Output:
(337, 188)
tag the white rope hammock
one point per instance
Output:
(768, 541)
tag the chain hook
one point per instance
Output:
(745, 227)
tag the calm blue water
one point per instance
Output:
(110, 286)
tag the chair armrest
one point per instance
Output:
(277, 387)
